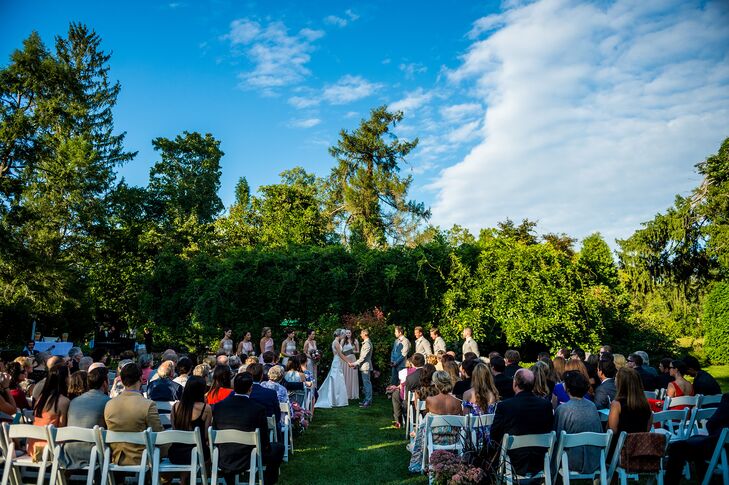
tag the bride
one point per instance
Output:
(333, 392)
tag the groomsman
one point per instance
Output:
(469, 345)
(398, 355)
(422, 345)
(365, 367)
(438, 342)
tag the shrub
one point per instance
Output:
(716, 323)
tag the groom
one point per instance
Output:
(365, 367)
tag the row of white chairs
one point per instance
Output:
(699, 400)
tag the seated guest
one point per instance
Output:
(265, 397)
(85, 363)
(541, 380)
(130, 412)
(7, 403)
(234, 363)
(697, 449)
(578, 415)
(117, 387)
(704, 383)
(646, 363)
(168, 354)
(464, 384)
(432, 359)
(452, 369)
(220, 387)
(50, 363)
(560, 393)
(184, 366)
(664, 374)
(164, 388)
(680, 386)
(87, 411)
(77, 384)
(29, 350)
(18, 375)
(408, 385)
(145, 362)
(524, 414)
(426, 388)
(275, 376)
(605, 392)
(188, 413)
(51, 406)
(635, 361)
(577, 353)
(202, 370)
(630, 411)
(268, 360)
(620, 361)
(559, 364)
(512, 359)
(481, 398)
(504, 384)
(75, 354)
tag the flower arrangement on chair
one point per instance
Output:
(300, 418)
(450, 469)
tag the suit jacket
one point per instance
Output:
(422, 346)
(268, 399)
(470, 345)
(605, 393)
(439, 344)
(130, 411)
(85, 411)
(461, 387)
(524, 414)
(411, 382)
(504, 384)
(720, 418)
(511, 369)
(365, 356)
(244, 414)
(400, 351)
(647, 378)
(164, 389)
(705, 384)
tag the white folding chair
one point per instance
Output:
(699, 417)
(719, 460)
(409, 418)
(710, 401)
(651, 394)
(420, 410)
(14, 463)
(164, 408)
(479, 422)
(692, 401)
(577, 440)
(236, 437)
(197, 456)
(272, 430)
(674, 424)
(73, 434)
(459, 424)
(624, 474)
(506, 472)
(140, 438)
(288, 436)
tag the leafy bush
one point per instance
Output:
(716, 323)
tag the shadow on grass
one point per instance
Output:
(350, 445)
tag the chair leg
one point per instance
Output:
(623, 476)
(6, 471)
(724, 467)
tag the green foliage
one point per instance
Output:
(716, 323)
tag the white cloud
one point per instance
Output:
(595, 113)
(303, 102)
(334, 20)
(412, 101)
(278, 58)
(459, 112)
(412, 69)
(305, 122)
(349, 88)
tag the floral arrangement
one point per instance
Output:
(450, 469)
(315, 355)
(300, 418)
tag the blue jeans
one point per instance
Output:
(367, 385)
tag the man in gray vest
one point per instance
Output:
(438, 342)
(365, 367)
(422, 345)
(469, 345)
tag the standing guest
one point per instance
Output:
(148, 340)
(504, 383)
(77, 384)
(243, 413)
(469, 344)
(184, 366)
(266, 343)
(635, 361)
(7, 403)
(51, 407)
(697, 449)
(130, 412)
(422, 345)
(226, 343)
(512, 359)
(680, 386)
(630, 411)
(164, 388)
(579, 415)
(664, 373)
(311, 351)
(188, 413)
(606, 391)
(438, 342)
(265, 397)
(18, 374)
(351, 376)
(559, 365)
(87, 411)
(288, 346)
(365, 366)
(29, 350)
(398, 355)
(464, 384)
(409, 384)
(245, 346)
(525, 413)
(704, 383)
(620, 361)
(146, 362)
(220, 387)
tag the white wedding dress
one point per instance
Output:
(333, 392)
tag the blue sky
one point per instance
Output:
(587, 116)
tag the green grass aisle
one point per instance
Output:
(350, 445)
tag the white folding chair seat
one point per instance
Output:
(76, 434)
(509, 443)
(272, 429)
(697, 424)
(577, 440)
(651, 394)
(719, 460)
(477, 422)
(288, 436)
(460, 430)
(409, 418)
(674, 424)
(234, 436)
(164, 408)
(624, 474)
(14, 463)
(140, 438)
(710, 401)
(418, 416)
(691, 401)
(197, 456)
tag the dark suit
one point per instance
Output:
(511, 369)
(245, 414)
(460, 387)
(605, 393)
(268, 399)
(164, 389)
(504, 384)
(704, 383)
(411, 382)
(523, 414)
(648, 379)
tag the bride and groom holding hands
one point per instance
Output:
(333, 392)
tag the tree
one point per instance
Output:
(368, 199)
(711, 200)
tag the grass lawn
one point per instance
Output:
(350, 445)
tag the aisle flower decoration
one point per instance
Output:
(300, 418)
(450, 469)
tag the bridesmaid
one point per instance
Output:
(351, 375)
(226, 344)
(288, 346)
(266, 342)
(309, 347)
(246, 346)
